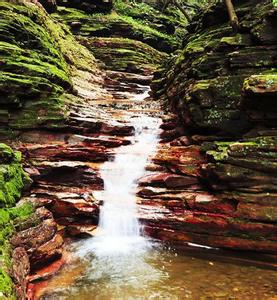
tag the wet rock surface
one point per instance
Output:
(213, 179)
(221, 87)
(205, 198)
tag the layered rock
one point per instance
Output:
(223, 86)
(218, 73)
(39, 61)
(115, 25)
(124, 55)
(13, 180)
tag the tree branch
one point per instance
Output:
(234, 21)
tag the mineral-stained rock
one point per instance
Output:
(20, 271)
(222, 86)
(70, 207)
(80, 230)
(47, 252)
(42, 243)
(168, 180)
(180, 159)
(34, 237)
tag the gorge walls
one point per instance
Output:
(69, 72)
(222, 86)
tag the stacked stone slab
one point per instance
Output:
(223, 87)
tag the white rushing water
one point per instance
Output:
(119, 229)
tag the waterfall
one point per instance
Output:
(119, 228)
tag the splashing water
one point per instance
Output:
(119, 228)
(120, 263)
(119, 253)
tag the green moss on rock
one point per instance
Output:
(121, 54)
(8, 217)
(12, 181)
(38, 59)
(115, 25)
(12, 177)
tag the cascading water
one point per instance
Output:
(119, 228)
(119, 263)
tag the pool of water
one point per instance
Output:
(153, 272)
(119, 263)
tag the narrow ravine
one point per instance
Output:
(121, 262)
(138, 149)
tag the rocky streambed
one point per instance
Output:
(165, 261)
(173, 206)
(204, 199)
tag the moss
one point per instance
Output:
(7, 219)
(114, 25)
(38, 59)
(12, 176)
(169, 21)
(124, 54)
(6, 286)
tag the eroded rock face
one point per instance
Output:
(20, 271)
(118, 26)
(125, 55)
(222, 83)
(222, 86)
(39, 59)
(39, 238)
(209, 200)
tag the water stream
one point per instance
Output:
(120, 263)
(119, 229)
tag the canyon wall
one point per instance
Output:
(60, 75)
(222, 87)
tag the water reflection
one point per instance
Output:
(158, 273)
